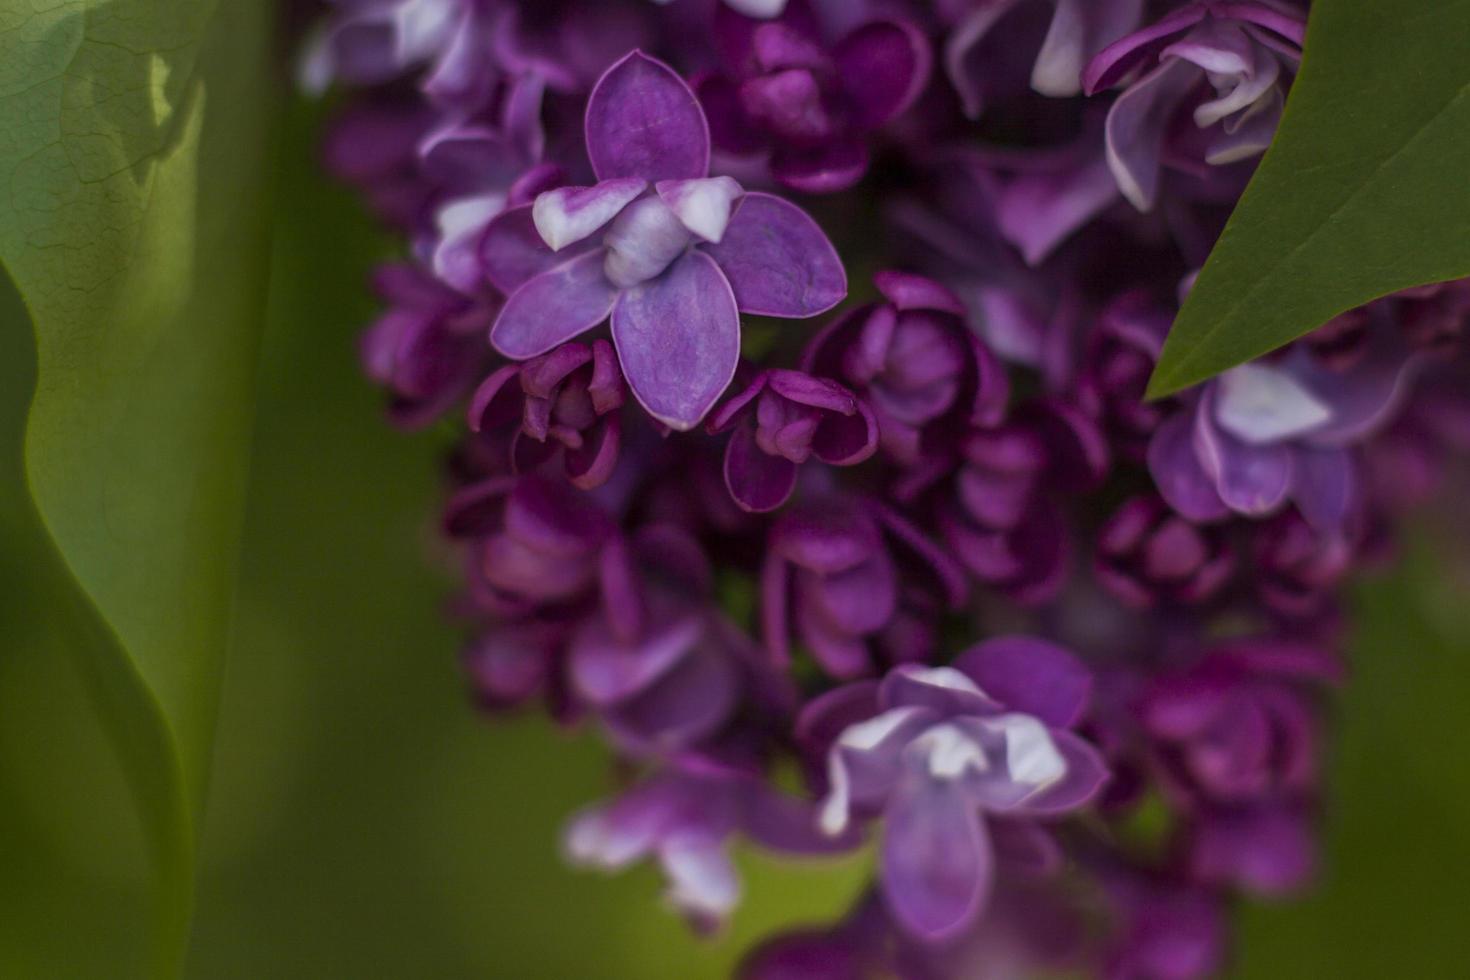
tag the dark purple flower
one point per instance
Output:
(998, 48)
(534, 543)
(1266, 433)
(1299, 567)
(427, 349)
(1168, 928)
(1147, 554)
(962, 763)
(567, 400)
(671, 254)
(805, 107)
(781, 420)
(831, 575)
(1241, 724)
(1002, 521)
(684, 817)
(1120, 356)
(926, 376)
(1222, 66)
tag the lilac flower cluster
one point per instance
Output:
(1063, 653)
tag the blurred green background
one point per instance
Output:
(364, 821)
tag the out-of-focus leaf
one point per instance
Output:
(134, 151)
(1363, 193)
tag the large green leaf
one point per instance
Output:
(1364, 192)
(134, 150)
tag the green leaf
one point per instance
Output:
(1365, 191)
(135, 154)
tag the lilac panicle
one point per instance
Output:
(927, 562)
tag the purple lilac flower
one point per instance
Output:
(427, 348)
(834, 574)
(1236, 737)
(567, 400)
(782, 419)
(964, 763)
(1223, 66)
(1147, 555)
(926, 376)
(671, 254)
(999, 47)
(807, 108)
(1264, 434)
(684, 817)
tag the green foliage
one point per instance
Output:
(134, 151)
(1363, 193)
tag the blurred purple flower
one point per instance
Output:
(926, 376)
(1225, 66)
(962, 763)
(805, 107)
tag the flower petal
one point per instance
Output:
(1136, 127)
(678, 338)
(1086, 773)
(1261, 404)
(554, 307)
(778, 261)
(1177, 473)
(512, 252)
(644, 121)
(1031, 675)
(703, 205)
(758, 481)
(884, 65)
(936, 859)
(569, 214)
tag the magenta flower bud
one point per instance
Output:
(927, 377)
(804, 107)
(426, 349)
(563, 403)
(782, 419)
(846, 576)
(1147, 555)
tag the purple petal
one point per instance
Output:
(1084, 779)
(687, 703)
(497, 401)
(884, 66)
(1038, 212)
(833, 166)
(945, 691)
(702, 205)
(1261, 404)
(678, 339)
(643, 121)
(554, 307)
(936, 860)
(1021, 845)
(606, 671)
(825, 717)
(846, 440)
(1250, 479)
(1123, 55)
(965, 40)
(569, 214)
(778, 261)
(1030, 675)
(461, 225)
(1177, 473)
(1324, 487)
(758, 481)
(512, 252)
(907, 291)
(1137, 125)
(839, 652)
(1079, 30)
(859, 600)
